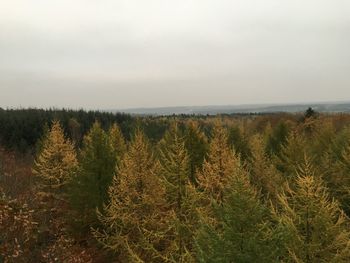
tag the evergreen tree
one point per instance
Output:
(241, 231)
(318, 229)
(96, 170)
(196, 144)
(218, 167)
(135, 222)
(40, 143)
(309, 113)
(175, 168)
(56, 161)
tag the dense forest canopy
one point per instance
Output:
(80, 186)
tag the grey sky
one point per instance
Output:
(120, 54)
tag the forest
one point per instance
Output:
(78, 186)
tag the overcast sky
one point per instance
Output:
(103, 54)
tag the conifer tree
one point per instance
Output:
(196, 144)
(95, 173)
(239, 142)
(218, 167)
(135, 222)
(292, 154)
(322, 140)
(40, 143)
(56, 161)
(242, 231)
(277, 139)
(318, 230)
(118, 142)
(263, 173)
(336, 173)
(175, 168)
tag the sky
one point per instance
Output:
(116, 54)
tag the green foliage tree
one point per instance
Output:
(241, 231)
(277, 139)
(135, 222)
(310, 112)
(175, 168)
(96, 169)
(264, 175)
(196, 144)
(317, 227)
(118, 142)
(335, 172)
(239, 142)
(292, 154)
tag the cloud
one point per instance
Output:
(159, 52)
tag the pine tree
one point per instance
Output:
(318, 230)
(196, 144)
(135, 220)
(218, 167)
(118, 142)
(175, 168)
(56, 161)
(96, 169)
(263, 173)
(241, 231)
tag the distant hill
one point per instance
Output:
(251, 108)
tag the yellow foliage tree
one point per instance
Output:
(117, 140)
(317, 227)
(57, 160)
(263, 173)
(292, 154)
(218, 167)
(175, 169)
(135, 221)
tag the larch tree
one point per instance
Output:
(218, 167)
(336, 173)
(292, 154)
(175, 170)
(317, 227)
(238, 140)
(97, 164)
(196, 144)
(277, 138)
(241, 230)
(118, 142)
(264, 175)
(56, 162)
(334, 167)
(135, 223)
(54, 167)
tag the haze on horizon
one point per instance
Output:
(122, 54)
